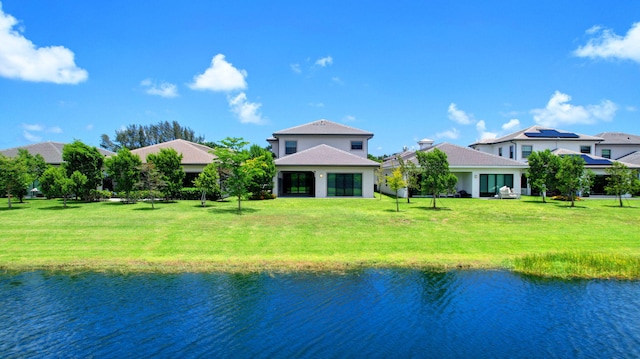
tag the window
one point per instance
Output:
(290, 147)
(606, 153)
(585, 149)
(510, 151)
(490, 184)
(500, 151)
(344, 184)
(356, 145)
(298, 183)
(526, 151)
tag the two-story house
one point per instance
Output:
(323, 159)
(617, 145)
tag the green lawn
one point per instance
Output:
(309, 234)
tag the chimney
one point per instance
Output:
(425, 143)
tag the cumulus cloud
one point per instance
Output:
(29, 129)
(459, 116)
(481, 127)
(163, 89)
(220, 76)
(560, 112)
(513, 124)
(450, 134)
(608, 45)
(246, 111)
(325, 61)
(21, 59)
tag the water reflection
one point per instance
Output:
(370, 313)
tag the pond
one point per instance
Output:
(371, 313)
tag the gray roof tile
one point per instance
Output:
(520, 135)
(324, 155)
(618, 138)
(192, 153)
(459, 156)
(50, 151)
(322, 127)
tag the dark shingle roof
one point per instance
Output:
(192, 153)
(322, 127)
(324, 155)
(50, 151)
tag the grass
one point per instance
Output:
(316, 234)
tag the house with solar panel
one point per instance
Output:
(323, 159)
(479, 174)
(597, 151)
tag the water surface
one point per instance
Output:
(363, 314)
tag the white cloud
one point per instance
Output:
(164, 89)
(31, 137)
(89, 127)
(481, 127)
(220, 76)
(296, 68)
(34, 127)
(54, 129)
(21, 59)
(316, 104)
(451, 134)
(560, 112)
(606, 44)
(337, 80)
(459, 116)
(349, 118)
(511, 125)
(325, 61)
(246, 111)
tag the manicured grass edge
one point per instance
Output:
(587, 265)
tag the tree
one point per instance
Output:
(137, 136)
(543, 167)
(86, 160)
(621, 181)
(207, 182)
(411, 174)
(572, 177)
(238, 169)
(150, 180)
(396, 182)
(124, 168)
(54, 182)
(13, 176)
(36, 166)
(262, 184)
(169, 163)
(436, 177)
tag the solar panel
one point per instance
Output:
(551, 134)
(595, 161)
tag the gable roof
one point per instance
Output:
(192, 153)
(50, 151)
(324, 155)
(459, 156)
(323, 127)
(539, 133)
(618, 138)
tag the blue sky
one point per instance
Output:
(454, 71)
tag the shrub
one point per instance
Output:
(192, 193)
(99, 195)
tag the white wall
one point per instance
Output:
(320, 175)
(309, 141)
(539, 145)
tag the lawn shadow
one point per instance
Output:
(425, 208)
(13, 206)
(232, 210)
(147, 208)
(618, 206)
(58, 207)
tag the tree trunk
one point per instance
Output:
(620, 199)
(9, 200)
(239, 209)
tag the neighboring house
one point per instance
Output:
(479, 174)
(519, 145)
(50, 151)
(616, 145)
(323, 159)
(194, 156)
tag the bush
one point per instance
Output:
(192, 193)
(565, 198)
(262, 196)
(99, 195)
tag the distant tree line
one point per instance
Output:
(138, 136)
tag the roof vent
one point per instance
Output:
(425, 143)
